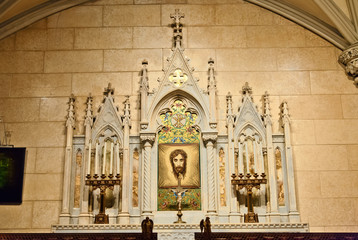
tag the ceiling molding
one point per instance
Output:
(6, 5)
(342, 22)
(304, 19)
(353, 11)
(34, 14)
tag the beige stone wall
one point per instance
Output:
(81, 49)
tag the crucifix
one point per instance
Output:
(249, 183)
(179, 192)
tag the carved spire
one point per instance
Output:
(212, 94)
(127, 112)
(267, 112)
(284, 113)
(89, 117)
(144, 85)
(144, 88)
(108, 91)
(229, 114)
(70, 123)
(211, 79)
(177, 27)
(246, 89)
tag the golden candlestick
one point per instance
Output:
(249, 183)
(102, 184)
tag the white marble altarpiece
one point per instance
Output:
(178, 115)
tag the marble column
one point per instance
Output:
(70, 125)
(209, 140)
(124, 215)
(293, 213)
(230, 120)
(271, 162)
(147, 141)
(84, 217)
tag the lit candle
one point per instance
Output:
(104, 158)
(96, 159)
(89, 158)
(111, 162)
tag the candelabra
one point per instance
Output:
(103, 183)
(249, 183)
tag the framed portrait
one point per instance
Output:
(176, 160)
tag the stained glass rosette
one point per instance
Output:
(178, 125)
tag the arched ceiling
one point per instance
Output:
(334, 20)
(17, 14)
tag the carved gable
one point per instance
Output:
(248, 116)
(108, 117)
(178, 80)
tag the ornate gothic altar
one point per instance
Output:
(177, 116)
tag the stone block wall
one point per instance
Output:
(82, 49)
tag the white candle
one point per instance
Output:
(96, 159)
(111, 162)
(118, 160)
(89, 158)
(241, 161)
(104, 158)
(247, 158)
(255, 156)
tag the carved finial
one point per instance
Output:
(211, 79)
(284, 113)
(144, 76)
(229, 103)
(177, 16)
(127, 112)
(108, 91)
(177, 26)
(71, 113)
(267, 112)
(246, 89)
(89, 117)
(229, 114)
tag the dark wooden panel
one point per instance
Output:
(278, 236)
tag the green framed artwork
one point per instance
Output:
(178, 157)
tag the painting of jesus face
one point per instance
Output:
(178, 160)
(178, 164)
